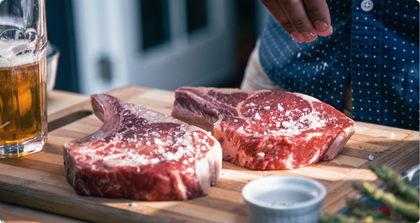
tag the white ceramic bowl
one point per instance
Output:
(284, 199)
(53, 53)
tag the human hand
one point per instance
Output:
(304, 20)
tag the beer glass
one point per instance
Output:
(23, 75)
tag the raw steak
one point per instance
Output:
(266, 129)
(142, 154)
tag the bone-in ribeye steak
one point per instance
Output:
(142, 154)
(266, 129)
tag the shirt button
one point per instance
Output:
(367, 5)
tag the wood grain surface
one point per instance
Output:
(38, 181)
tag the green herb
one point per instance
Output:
(398, 196)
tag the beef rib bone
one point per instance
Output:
(142, 154)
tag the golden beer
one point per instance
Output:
(23, 108)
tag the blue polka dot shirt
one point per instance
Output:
(374, 46)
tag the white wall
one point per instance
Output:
(111, 29)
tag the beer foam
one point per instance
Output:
(9, 51)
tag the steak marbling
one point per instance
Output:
(142, 154)
(266, 129)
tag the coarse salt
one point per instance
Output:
(133, 204)
(392, 135)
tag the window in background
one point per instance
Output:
(160, 44)
(155, 22)
(196, 14)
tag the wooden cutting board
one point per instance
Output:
(38, 181)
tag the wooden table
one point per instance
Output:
(45, 186)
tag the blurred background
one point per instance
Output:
(165, 44)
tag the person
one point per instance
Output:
(360, 56)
